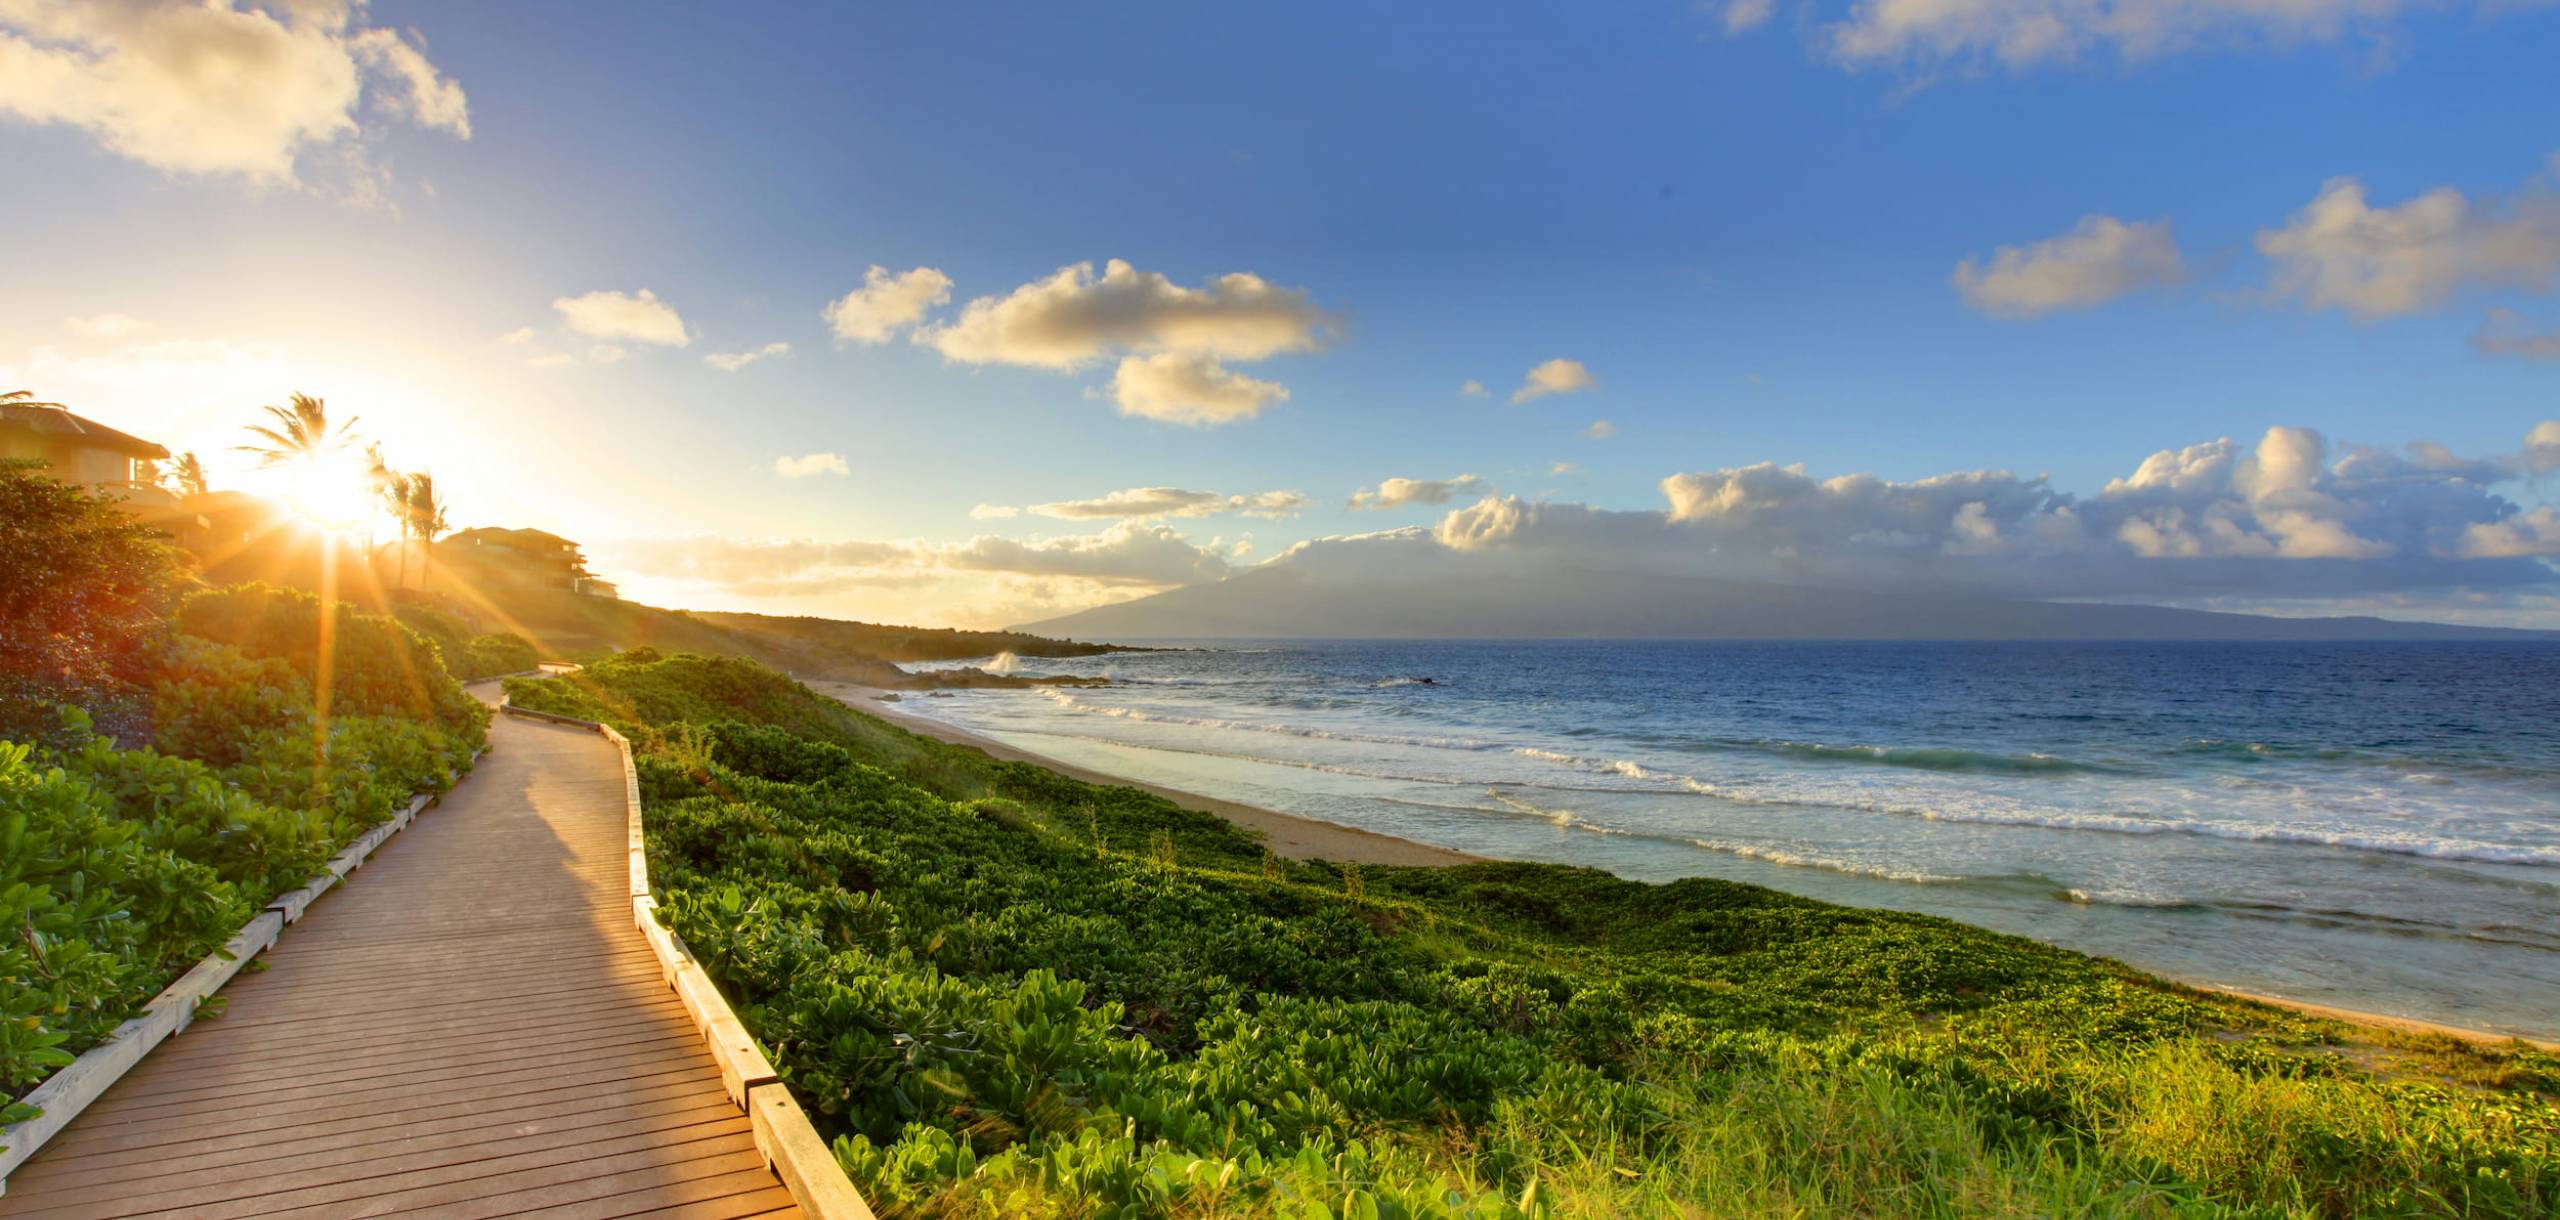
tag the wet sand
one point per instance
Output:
(1294, 837)
(1307, 839)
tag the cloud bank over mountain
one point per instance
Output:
(2290, 520)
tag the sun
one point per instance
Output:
(332, 493)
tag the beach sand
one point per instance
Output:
(1294, 837)
(1307, 839)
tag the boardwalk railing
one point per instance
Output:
(71, 1089)
(783, 1133)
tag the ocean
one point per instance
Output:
(2375, 826)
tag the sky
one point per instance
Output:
(975, 315)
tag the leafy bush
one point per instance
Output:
(501, 652)
(1015, 994)
(83, 593)
(373, 665)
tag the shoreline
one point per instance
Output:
(1300, 838)
(1291, 836)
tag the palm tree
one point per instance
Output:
(25, 398)
(188, 475)
(393, 487)
(301, 433)
(425, 519)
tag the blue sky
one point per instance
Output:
(1746, 237)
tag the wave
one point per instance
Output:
(1923, 758)
(1801, 859)
(2375, 841)
(2388, 842)
(1212, 722)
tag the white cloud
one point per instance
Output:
(1397, 492)
(1474, 389)
(1744, 16)
(1147, 503)
(2276, 519)
(1600, 430)
(425, 96)
(730, 362)
(1074, 318)
(2535, 534)
(2340, 252)
(1564, 468)
(640, 318)
(209, 88)
(886, 303)
(1924, 36)
(809, 464)
(105, 325)
(606, 353)
(2504, 332)
(1558, 376)
(991, 512)
(1186, 388)
(1173, 343)
(2542, 447)
(2101, 259)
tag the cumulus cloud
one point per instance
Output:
(809, 464)
(2504, 332)
(640, 318)
(1600, 430)
(1558, 376)
(886, 303)
(730, 362)
(1147, 503)
(2100, 260)
(217, 88)
(991, 512)
(1395, 493)
(1173, 343)
(1189, 388)
(2341, 252)
(2542, 448)
(1474, 389)
(1928, 35)
(2290, 515)
(1074, 318)
(105, 325)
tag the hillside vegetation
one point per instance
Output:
(576, 627)
(1010, 993)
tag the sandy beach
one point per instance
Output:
(1305, 838)
(1294, 837)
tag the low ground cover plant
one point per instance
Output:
(1007, 992)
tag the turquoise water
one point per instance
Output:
(2370, 825)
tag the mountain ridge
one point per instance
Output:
(1277, 603)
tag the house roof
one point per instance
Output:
(47, 419)
(535, 541)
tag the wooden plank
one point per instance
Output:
(807, 1167)
(742, 1062)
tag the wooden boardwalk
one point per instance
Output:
(471, 1026)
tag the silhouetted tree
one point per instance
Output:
(301, 433)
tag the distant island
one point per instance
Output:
(1282, 601)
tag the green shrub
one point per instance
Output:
(372, 665)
